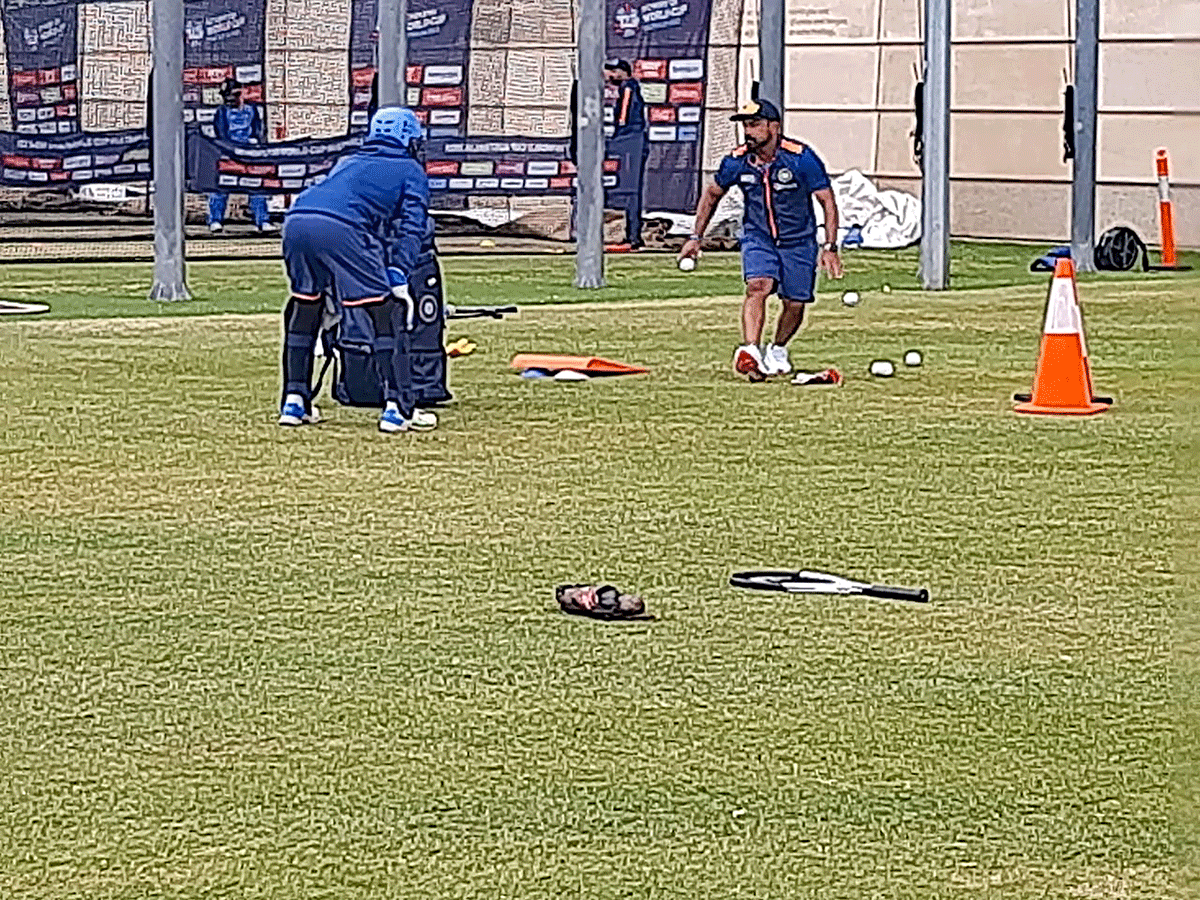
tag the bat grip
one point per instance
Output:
(883, 591)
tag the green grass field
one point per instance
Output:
(244, 662)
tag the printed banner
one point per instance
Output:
(439, 42)
(222, 39)
(284, 168)
(73, 161)
(43, 77)
(500, 166)
(666, 42)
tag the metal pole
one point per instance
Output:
(393, 51)
(935, 181)
(166, 122)
(1083, 179)
(589, 187)
(772, 39)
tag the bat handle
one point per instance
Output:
(883, 591)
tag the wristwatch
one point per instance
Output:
(831, 247)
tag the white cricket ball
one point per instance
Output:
(912, 358)
(687, 264)
(883, 368)
(850, 298)
(887, 288)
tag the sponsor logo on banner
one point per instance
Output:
(654, 69)
(445, 116)
(247, 74)
(656, 15)
(627, 21)
(610, 181)
(443, 75)
(686, 69)
(292, 170)
(542, 167)
(476, 168)
(686, 92)
(658, 114)
(441, 167)
(437, 184)
(215, 28)
(77, 162)
(461, 184)
(654, 92)
(688, 133)
(559, 184)
(249, 182)
(537, 184)
(292, 184)
(512, 184)
(424, 23)
(26, 115)
(442, 97)
(662, 132)
(487, 184)
(47, 34)
(413, 74)
(413, 95)
(689, 113)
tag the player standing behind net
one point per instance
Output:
(779, 178)
(358, 234)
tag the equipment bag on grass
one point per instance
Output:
(348, 345)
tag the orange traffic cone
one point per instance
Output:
(1062, 384)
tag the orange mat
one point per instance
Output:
(556, 362)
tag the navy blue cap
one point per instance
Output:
(617, 63)
(757, 109)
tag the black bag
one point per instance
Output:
(1118, 249)
(347, 345)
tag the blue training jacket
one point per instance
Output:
(778, 195)
(381, 190)
(239, 125)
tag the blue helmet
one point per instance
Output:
(396, 125)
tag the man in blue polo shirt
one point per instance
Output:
(779, 178)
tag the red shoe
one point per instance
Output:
(748, 361)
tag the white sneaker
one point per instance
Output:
(748, 361)
(216, 227)
(268, 228)
(391, 422)
(423, 420)
(776, 359)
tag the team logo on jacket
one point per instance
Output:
(428, 309)
(784, 176)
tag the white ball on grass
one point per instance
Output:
(850, 298)
(687, 264)
(883, 368)
(912, 358)
(887, 288)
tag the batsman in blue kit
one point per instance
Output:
(779, 178)
(357, 236)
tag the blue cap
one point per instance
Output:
(757, 109)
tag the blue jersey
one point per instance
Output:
(239, 124)
(629, 113)
(778, 194)
(381, 190)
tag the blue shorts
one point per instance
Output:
(322, 253)
(793, 268)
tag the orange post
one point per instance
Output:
(1166, 220)
(1062, 384)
